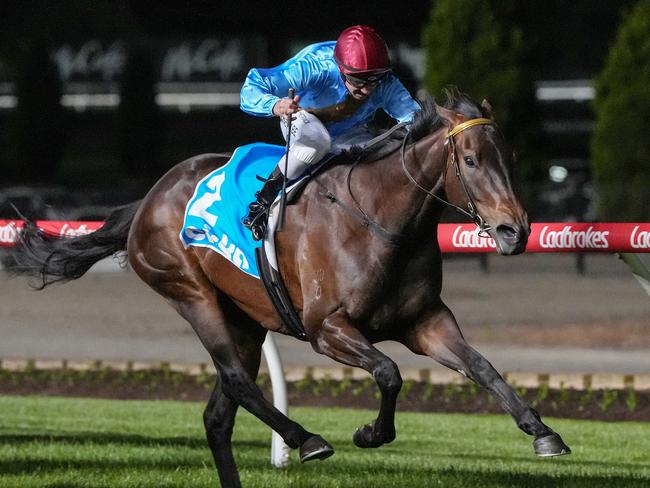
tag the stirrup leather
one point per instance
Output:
(258, 211)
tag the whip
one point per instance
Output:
(283, 194)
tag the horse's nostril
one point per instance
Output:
(508, 233)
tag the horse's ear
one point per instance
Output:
(487, 109)
(449, 117)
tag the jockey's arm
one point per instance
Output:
(398, 102)
(265, 87)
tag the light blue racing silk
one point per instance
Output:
(315, 76)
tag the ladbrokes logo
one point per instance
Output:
(7, 234)
(567, 238)
(69, 231)
(470, 239)
(640, 240)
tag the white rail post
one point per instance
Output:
(639, 269)
(279, 450)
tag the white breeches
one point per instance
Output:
(310, 142)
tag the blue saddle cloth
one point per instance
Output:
(213, 215)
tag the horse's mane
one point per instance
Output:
(425, 121)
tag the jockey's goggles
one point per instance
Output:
(369, 81)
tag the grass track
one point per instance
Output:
(57, 442)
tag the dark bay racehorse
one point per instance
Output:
(360, 258)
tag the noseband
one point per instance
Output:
(450, 145)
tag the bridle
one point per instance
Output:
(450, 145)
(377, 229)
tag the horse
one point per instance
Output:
(360, 259)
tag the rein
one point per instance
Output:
(360, 215)
(471, 211)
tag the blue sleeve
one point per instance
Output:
(398, 102)
(264, 87)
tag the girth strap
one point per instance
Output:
(277, 292)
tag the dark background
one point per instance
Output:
(566, 41)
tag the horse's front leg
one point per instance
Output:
(440, 338)
(339, 339)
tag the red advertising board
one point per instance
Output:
(463, 238)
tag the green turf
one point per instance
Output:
(57, 442)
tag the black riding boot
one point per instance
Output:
(256, 219)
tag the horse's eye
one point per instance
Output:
(469, 161)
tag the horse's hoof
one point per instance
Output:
(315, 448)
(550, 445)
(364, 437)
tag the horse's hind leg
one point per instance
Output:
(219, 420)
(197, 301)
(209, 323)
(219, 414)
(339, 339)
(440, 338)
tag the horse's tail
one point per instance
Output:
(53, 258)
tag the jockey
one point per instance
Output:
(339, 85)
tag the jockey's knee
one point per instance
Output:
(307, 153)
(312, 133)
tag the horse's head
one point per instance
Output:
(476, 175)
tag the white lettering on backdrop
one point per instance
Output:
(95, 60)
(211, 56)
(91, 60)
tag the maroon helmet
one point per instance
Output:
(360, 51)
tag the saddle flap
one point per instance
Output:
(213, 215)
